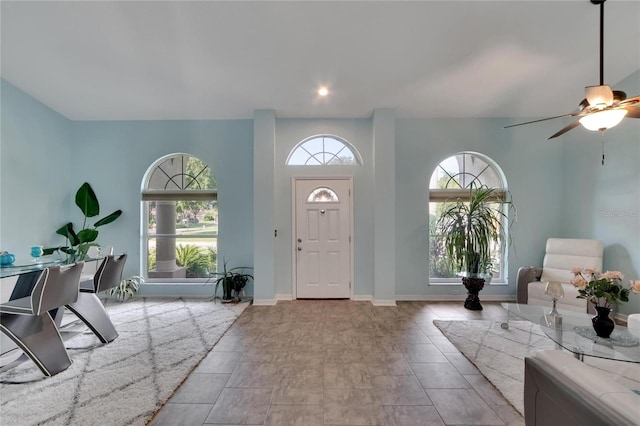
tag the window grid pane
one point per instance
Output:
(323, 195)
(323, 150)
(452, 179)
(182, 222)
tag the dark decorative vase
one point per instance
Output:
(227, 287)
(473, 285)
(602, 324)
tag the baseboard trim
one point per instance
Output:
(374, 301)
(264, 302)
(400, 298)
(383, 302)
(451, 298)
(286, 297)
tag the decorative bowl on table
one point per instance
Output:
(6, 258)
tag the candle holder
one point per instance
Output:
(555, 291)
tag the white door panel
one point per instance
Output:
(323, 219)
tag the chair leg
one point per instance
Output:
(90, 310)
(40, 340)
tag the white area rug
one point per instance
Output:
(498, 353)
(126, 381)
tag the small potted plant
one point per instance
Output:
(127, 288)
(78, 243)
(233, 281)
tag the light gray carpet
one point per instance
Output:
(126, 381)
(498, 353)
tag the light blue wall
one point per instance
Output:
(603, 201)
(289, 132)
(534, 171)
(114, 156)
(36, 171)
(384, 205)
(558, 187)
(264, 124)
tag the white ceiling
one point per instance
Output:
(211, 59)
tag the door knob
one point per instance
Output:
(299, 248)
(299, 240)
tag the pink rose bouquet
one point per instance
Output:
(602, 289)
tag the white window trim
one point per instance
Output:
(346, 145)
(441, 195)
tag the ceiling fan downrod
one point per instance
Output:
(601, 3)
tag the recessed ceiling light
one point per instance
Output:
(323, 91)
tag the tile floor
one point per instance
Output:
(340, 363)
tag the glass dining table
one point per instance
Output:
(20, 277)
(27, 272)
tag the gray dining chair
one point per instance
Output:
(92, 261)
(28, 322)
(89, 308)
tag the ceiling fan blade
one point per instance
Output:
(633, 113)
(629, 102)
(542, 119)
(565, 129)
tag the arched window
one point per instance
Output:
(180, 209)
(323, 150)
(323, 195)
(453, 179)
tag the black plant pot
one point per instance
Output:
(227, 289)
(473, 285)
(602, 324)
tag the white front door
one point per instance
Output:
(322, 238)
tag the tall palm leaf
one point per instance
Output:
(470, 227)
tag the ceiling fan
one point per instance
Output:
(602, 107)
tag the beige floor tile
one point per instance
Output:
(509, 415)
(254, 375)
(219, 363)
(346, 376)
(463, 407)
(485, 389)
(424, 352)
(439, 376)
(461, 363)
(241, 406)
(182, 415)
(444, 344)
(394, 365)
(411, 416)
(200, 389)
(351, 407)
(295, 415)
(297, 394)
(399, 390)
(340, 362)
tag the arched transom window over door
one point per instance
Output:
(452, 179)
(323, 150)
(180, 208)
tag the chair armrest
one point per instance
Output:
(526, 274)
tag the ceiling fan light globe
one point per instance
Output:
(603, 120)
(599, 95)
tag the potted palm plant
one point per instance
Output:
(472, 228)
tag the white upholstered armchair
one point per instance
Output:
(561, 256)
